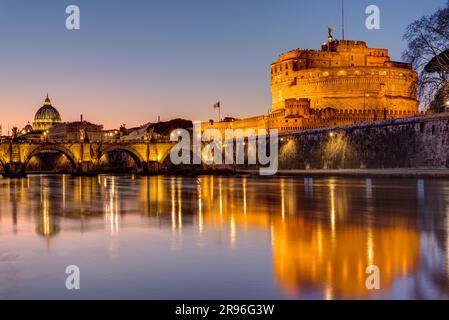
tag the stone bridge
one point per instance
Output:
(149, 157)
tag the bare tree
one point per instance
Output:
(428, 51)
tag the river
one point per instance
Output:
(213, 237)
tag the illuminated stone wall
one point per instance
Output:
(402, 143)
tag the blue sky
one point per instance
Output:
(133, 61)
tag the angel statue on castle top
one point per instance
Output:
(329, 31)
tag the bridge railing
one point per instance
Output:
(65, 141)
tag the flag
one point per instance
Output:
(217, 105)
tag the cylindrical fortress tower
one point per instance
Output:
(344, 75)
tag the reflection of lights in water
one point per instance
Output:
(308, 185)
(283, 199)
(329, 274)
(305, 254)
(328, 294)
(200, 207)
(46, 219)
(244, 195)
(112, 208)
(220, 188)
(404, 267)
(42, 188)
(8, 194)
(80, 188)
(45, 226)
(421, 189)
(22, 190)
(370, 246)
(173, 210)
(179, 204)
(369, 188)
(360, 268)
(63, 190)
(345, 270)
(233, 233)
(332, 187)
(211, 187)
(319, 235)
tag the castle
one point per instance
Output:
(345, 82)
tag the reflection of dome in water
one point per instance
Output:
(46, 116)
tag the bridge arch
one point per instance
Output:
(168, 167)
(58, 148)
(138, 160)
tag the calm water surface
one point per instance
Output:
(223, 237)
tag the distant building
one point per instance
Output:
(47, 125)
(46, 117)
(77, 131)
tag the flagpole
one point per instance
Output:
(343, 19)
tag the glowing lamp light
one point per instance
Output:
(331, 134)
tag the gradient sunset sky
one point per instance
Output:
(134, 60)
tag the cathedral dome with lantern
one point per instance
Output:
(46, 117)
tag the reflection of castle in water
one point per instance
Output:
(323, 233)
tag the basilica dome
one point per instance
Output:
(46, 117)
